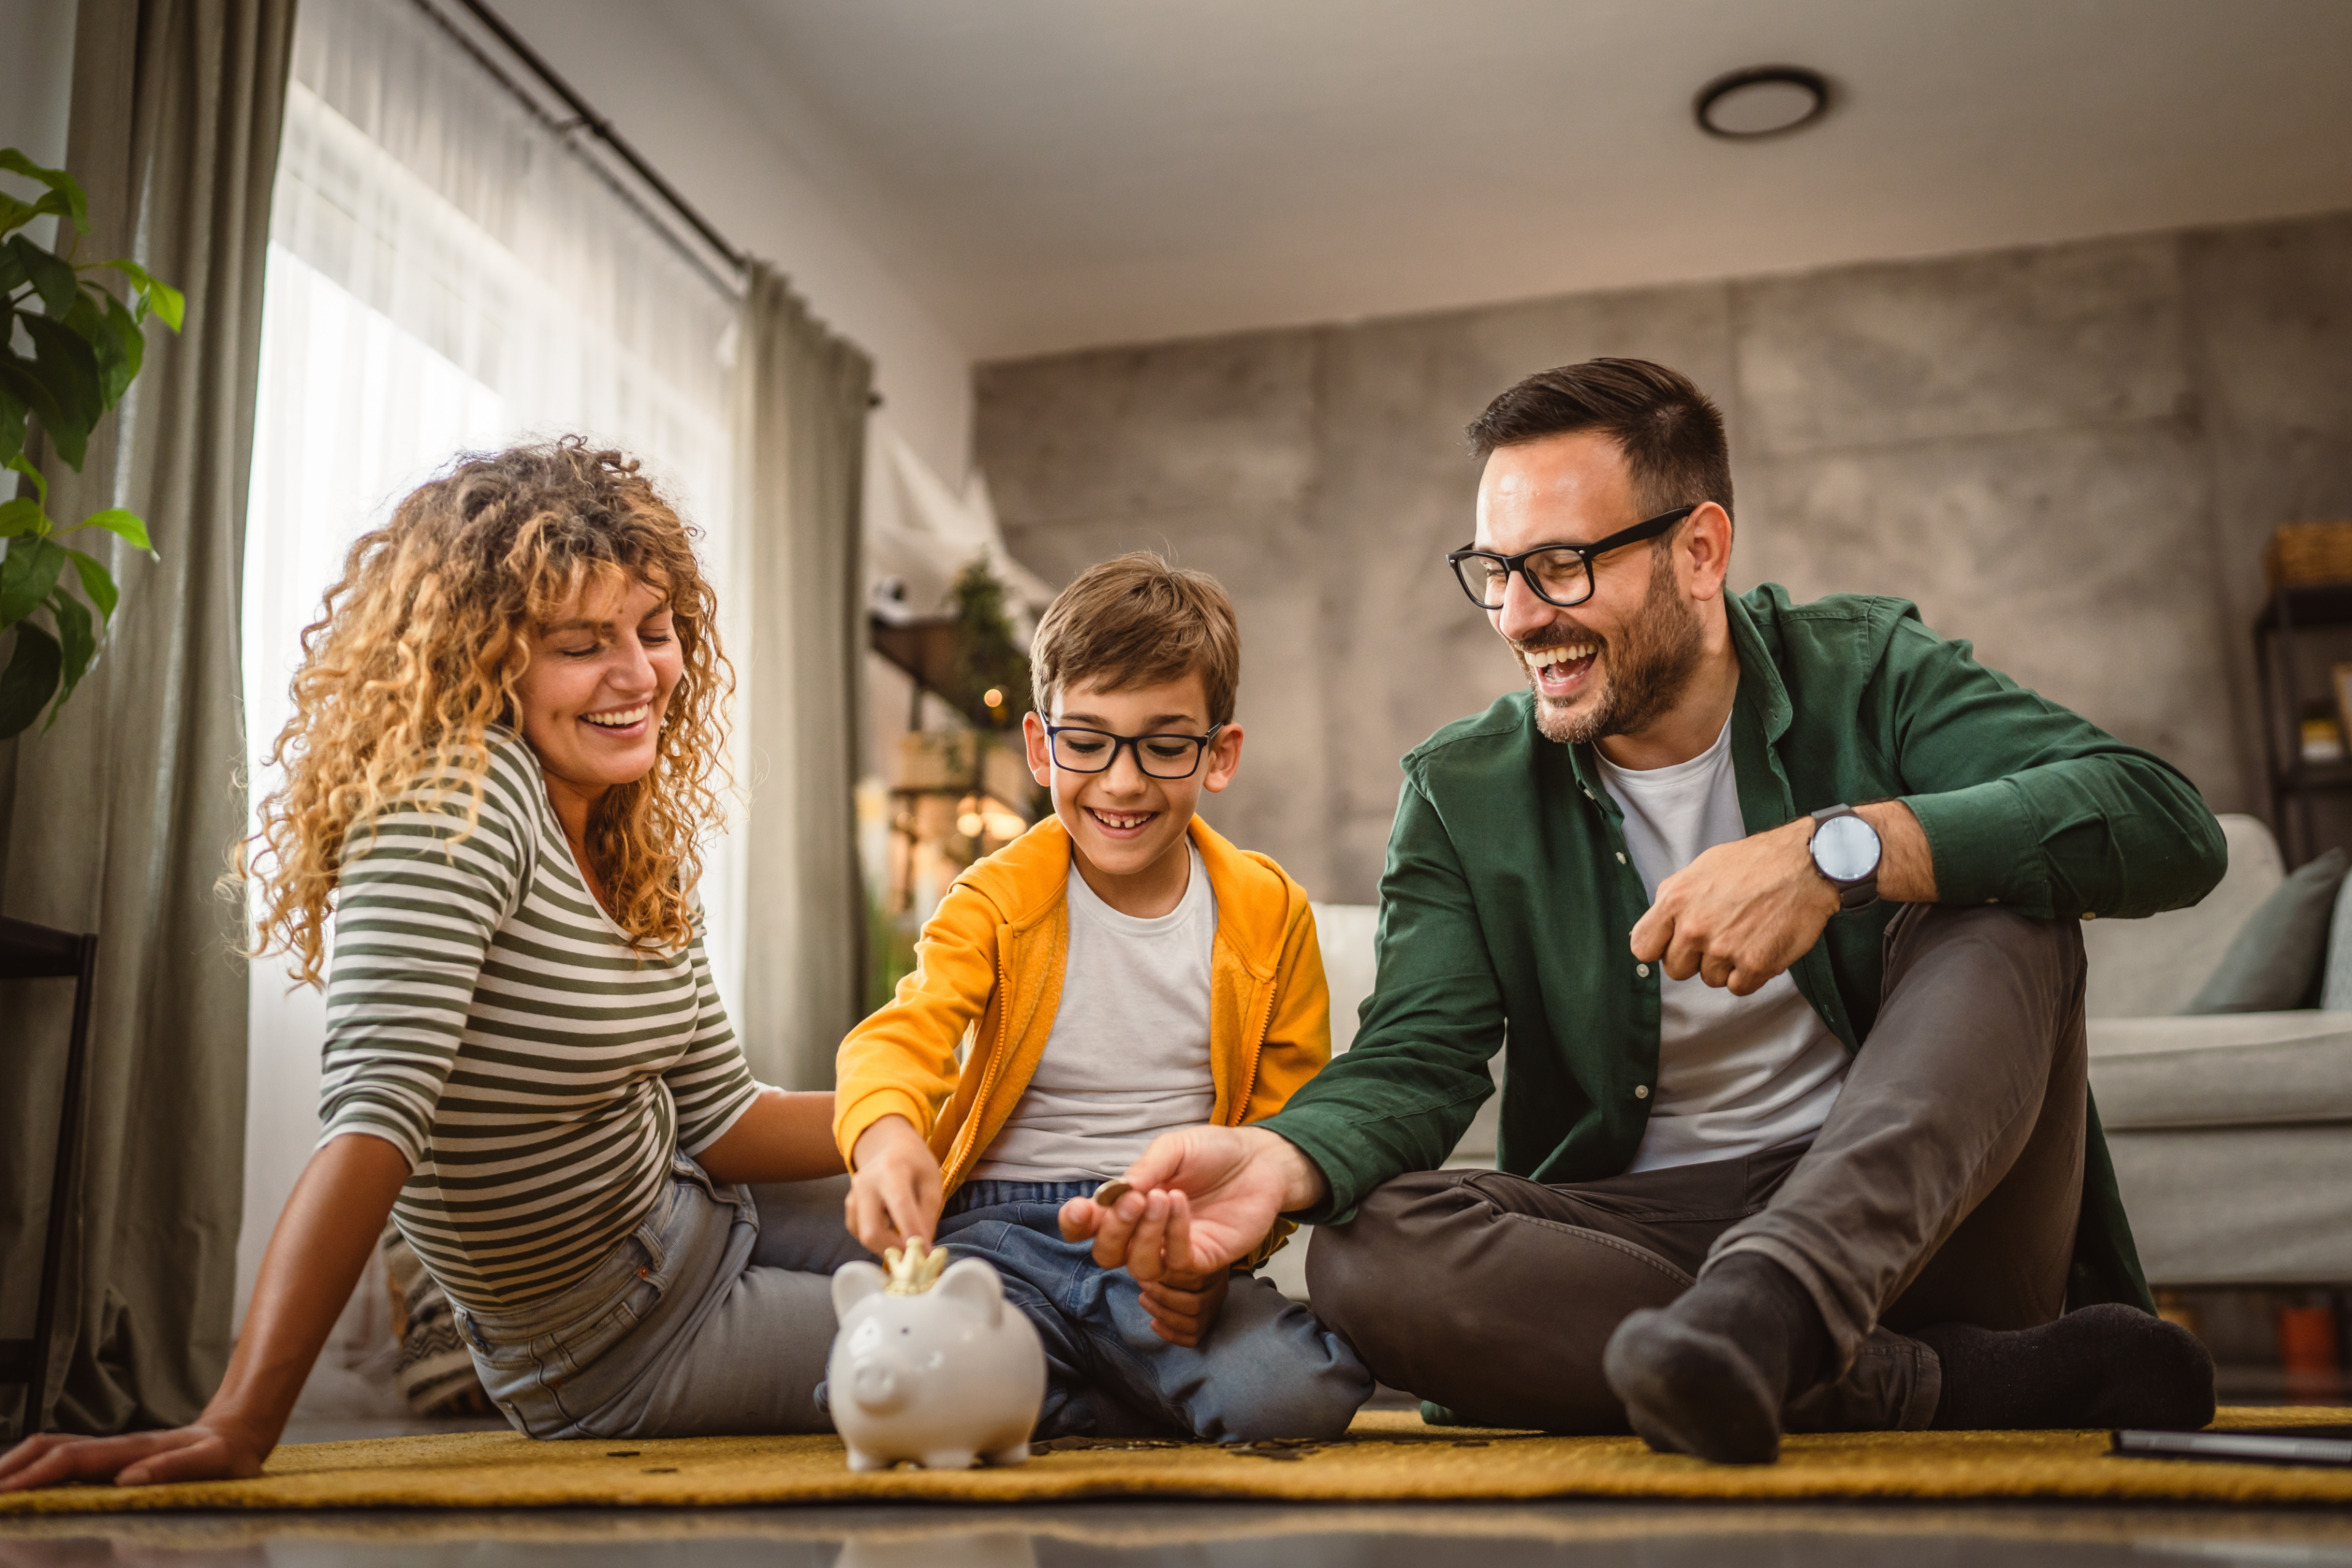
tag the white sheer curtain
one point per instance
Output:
(445, 274)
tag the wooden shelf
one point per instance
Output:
(2317, 776)
(2313, 605)
(2297, 610)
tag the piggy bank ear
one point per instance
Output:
(975, 1282)
(853, 1282)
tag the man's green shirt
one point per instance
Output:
(1509, 900)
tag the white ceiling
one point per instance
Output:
(1051, 174)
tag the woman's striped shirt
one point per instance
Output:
(487, 1018)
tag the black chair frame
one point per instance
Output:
(29, 952)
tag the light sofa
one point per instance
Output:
(2232, 1135)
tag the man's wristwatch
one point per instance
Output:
(1845, 851)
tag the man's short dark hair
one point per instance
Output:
(1670, 431)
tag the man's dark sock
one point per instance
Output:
(2109, 1365)
(1709, 1375)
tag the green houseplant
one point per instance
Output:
(988, 662)
(85, 346)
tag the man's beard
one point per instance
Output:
(1643, 676)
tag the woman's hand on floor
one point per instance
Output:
(142, 1459)
(894, 1186)
(321, 1243)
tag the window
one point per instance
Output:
(445, 274)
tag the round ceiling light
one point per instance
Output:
(1763, 100)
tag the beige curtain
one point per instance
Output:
(800, 443)
(117, 820)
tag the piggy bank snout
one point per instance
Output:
(882, 1383)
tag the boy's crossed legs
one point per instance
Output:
(1266, 1369)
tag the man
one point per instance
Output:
(1776, 905)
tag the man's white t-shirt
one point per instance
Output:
(1737, 1075)
(1127, 1059)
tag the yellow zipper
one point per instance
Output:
(1257, 1055)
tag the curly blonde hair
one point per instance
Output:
(417, 655)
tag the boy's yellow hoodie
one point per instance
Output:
(988, 969)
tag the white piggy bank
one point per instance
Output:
(940, 1375)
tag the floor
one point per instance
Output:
(1182, 1536)
(1165, 1535)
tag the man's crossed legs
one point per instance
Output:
(1908, 1269)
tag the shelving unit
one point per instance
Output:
(2293, 609)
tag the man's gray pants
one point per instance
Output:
(1943, 1188)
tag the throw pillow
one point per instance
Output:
(2336, 979)
(2273, 964)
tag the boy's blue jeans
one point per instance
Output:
(1266, 1369)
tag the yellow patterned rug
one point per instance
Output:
(1387, 1456)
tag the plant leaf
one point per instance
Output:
(154, 293)
(130, 345)
(11, 420)
(13, 276)
(18, 464)
(77, 643)
(14, 215)
(87, 320)
(161, 298)
(96, 582)
(169, 303)
(31, 676)
(66, 186)
(27, 575)
(25, 388)
(21, 515)
(65, 364)
(127, 525)
(51, 276)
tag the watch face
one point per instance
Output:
(1845, 848)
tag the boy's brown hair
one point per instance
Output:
(1136, 620)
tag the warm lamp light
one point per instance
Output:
(985, 815)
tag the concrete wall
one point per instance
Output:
(2071, 454)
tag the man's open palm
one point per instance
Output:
(1234, 1191)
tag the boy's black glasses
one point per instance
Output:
(1079, 750)
(1559, 575)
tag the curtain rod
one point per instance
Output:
(586, 118)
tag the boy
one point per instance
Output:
(1119, 971)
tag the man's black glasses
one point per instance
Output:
(1081, 751)
(1559, 575)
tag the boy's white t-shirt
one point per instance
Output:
(1127, 1059)
(1737, 1075)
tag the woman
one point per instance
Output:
(507, 728)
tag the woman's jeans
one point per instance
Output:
(1266, 1369)
(715, 1315)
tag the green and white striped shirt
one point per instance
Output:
(486, 1017)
